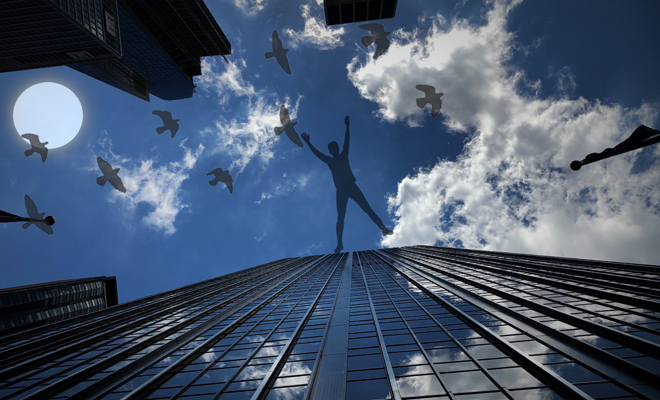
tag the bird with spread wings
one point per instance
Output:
(377, 36)
(168, 123)
(288, 127)
(279, 52)
(37, 146)
(109, 175)
(431, 97)
(222, 176)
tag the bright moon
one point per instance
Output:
(49, 110)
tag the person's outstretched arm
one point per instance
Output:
(317, 153)
(347, 138)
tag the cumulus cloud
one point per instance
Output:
(511, 189)
(252, 137)
(250, 7)
(224, 84)
(157, 186)
(316, 33)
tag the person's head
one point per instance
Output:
(333, 148)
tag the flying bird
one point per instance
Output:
(34, 213)
(222, 176)
(378, 36)
(279, 53)
(37, 146)
(288, 127)
(109, 175)
(168, 122)
(431, 97)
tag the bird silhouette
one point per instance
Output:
(222, 176)
(109, 175)
(288, 127)
(34, 213)
(168, 122)
(378, 36)
(279, 53)
(37, 146)
(431, 97)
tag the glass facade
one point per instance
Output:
(142, 47)
(48, 33)
(34, 305)
(403, 323)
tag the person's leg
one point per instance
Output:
(342, 201)
(356, 194)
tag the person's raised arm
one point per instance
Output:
(317, 153)
(347, 138)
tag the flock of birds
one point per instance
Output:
(378, 36)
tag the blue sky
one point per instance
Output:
(528, 87)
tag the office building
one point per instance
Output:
(403, 323)
(30, 306)
(347, 11)
(142, 47)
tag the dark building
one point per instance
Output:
(140, 46)
(403, 323)
(347, 11)
(25, 307)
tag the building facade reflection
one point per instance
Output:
(405, 323)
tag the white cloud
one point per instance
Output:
(511, 189)
(227, 83)
(319, 2)
(250, 7)
(316, 33)
(253, 137)
(288, 186)
(157, 186)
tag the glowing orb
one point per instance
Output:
(49, 110)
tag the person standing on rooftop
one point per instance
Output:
(345, 183)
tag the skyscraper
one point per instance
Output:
(404, 323)
(139, 46)
(347, 11)
(30, 306)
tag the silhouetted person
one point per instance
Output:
(641, 137)
(222, 176)
(288, 127)
(378, 36)
(109, 175)
(431, 97)
(34, 213)
(37, 146)
(345, 183)
(279, 52)
(168, 122)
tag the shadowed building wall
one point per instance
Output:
(347, 11)
(140, 46)
(30, 306)
(403, 323)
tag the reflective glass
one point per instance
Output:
(573, 372)
(407, 358)
(474, 381)
(365, 362)
(446, 354)
(375, 389)
(366, 374)
(514, 378)
(421, 385)
(287, 393)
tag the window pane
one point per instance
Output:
(375, 389)
(475, 381)
(423, 385)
